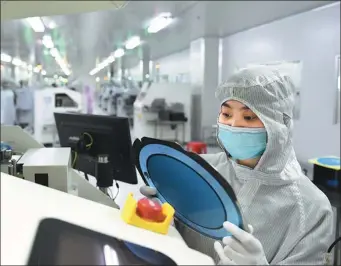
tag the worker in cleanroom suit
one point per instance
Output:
(289, 220)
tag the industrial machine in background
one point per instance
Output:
(327, 177)
(118, 97)
(108, 99)
(125, 102)
(25, 107)
(24, 157)
(47, 101)
(161, 113)
(17, 104)
(8, 102)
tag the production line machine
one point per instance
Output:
(125, 103)
(47, 101)
(56, 217)
(108, 98)
(24, 157)
(117, 98)
(161, 113)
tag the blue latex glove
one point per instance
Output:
(242, 248)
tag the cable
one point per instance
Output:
(88, 146)
(118, 189)
(74, 159)
(334, 244)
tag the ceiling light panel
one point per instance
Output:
(160, 22)
(133, 42)
(6, 58)
(36, 24)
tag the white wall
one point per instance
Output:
(6, 72)
(136, 72)
(173, 65)
(314, 38)
(21, 74)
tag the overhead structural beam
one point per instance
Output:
(24, 9)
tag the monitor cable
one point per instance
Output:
(91, 140)
(117, 190)
(74, 159)
(87, 147)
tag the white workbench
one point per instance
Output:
(24, 204)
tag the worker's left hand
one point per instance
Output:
(242, 248)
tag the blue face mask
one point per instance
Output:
(242, 143)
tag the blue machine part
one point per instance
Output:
(150, 256)
(5, 146)
(202, 199)
(329, 161)
(333, 183)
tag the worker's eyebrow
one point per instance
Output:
(228, 106)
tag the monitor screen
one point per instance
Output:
(61, 243)
(109, 136)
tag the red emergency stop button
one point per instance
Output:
(150, 210)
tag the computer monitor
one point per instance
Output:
(101, 146)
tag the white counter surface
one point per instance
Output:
(24, 204)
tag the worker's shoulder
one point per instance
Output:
(312, 196)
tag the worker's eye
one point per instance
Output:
(250, 117)
(226, 115)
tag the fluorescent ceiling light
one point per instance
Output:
(36, 70)
(111, 59)
(93, 72)
(54, 52)
(160, 22)
(52, 25)
(98, 68)
(47, 41)
(36, 24)
(105, 62)
(66, 71)
(16, 62)
(6, 58)
(133, 42)
(119, 53)
(43, 72)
